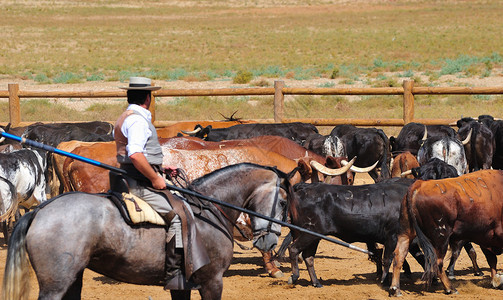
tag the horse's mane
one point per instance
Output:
(230, 168)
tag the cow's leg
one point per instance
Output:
(496, 279)
(298, 245)
(374, 175)
(270, 266)
(448, 289)
(376, 258)
(473, 256)
(387, 258)
(402, 247)
(308, 255)
(456, 250)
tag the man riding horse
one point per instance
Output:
(139, 153)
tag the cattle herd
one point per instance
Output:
(435, 187)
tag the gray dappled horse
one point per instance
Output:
(79, 230)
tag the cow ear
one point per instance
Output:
(415, 172)
(305, 170)
(333, 162)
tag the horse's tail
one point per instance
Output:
(16, 277)
(430, 264)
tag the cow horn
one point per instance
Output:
(467, 140)
(193, 131)
(408, 172)
(425, 136)
(2, 138)
(361, 170)
(332, 172)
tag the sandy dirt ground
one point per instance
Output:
(344, 273)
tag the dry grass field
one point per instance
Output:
(95, 45)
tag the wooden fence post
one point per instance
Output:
(152, 105)
(14, 106)
(279, 101)
(408, 101)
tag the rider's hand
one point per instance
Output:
(159, 183)
(171, 171)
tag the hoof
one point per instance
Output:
(292, 280)
(318, 285)
(451, 292)
(394, 292)
(497, 281)
(276, 263)
(276, 274)
(479, 273)
(451, 277)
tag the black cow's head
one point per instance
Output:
(434, 169)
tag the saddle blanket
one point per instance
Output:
(140, 211)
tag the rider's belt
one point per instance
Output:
(134, 173)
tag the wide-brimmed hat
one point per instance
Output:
(140, 83)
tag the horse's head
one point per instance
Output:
(269, 199)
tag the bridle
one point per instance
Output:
(256, 233)
(260, 233)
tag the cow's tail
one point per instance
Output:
(385, 171)
(430, 265)
(16, 277)
(473, 146)
(292, 198)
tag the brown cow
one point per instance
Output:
(177, 128)
(453, 210)
(403, 162)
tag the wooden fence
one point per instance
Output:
(408, 90)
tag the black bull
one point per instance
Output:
(365, 213)
(298, 132)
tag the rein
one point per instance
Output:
(257, 233)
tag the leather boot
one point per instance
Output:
(175, 277)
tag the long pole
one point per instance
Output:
(182, 190)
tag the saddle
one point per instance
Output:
(133, 209)
(140, 211)
(136, 210)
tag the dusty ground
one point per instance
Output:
(345, 274)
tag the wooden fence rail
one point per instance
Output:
(408, 90)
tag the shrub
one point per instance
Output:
(335, 73)
(262, 82)
(242, 77)
(95, 77)
(42, 78)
